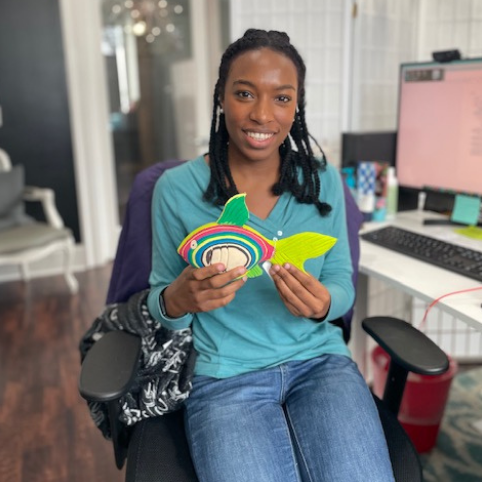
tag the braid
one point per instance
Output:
(218, 190)
(306, 189)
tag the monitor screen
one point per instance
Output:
(440, 126)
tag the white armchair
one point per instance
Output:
(22, 239)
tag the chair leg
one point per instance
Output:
(24, 272)
(72, 283)
(69, 277)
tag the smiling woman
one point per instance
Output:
(275, 396)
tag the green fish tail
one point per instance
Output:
(300, 247)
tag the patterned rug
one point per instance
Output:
(457, 457)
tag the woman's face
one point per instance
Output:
(259, 103)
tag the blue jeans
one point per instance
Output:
(302, 421)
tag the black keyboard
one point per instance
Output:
(451, 257)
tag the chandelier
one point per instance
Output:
(149, 19)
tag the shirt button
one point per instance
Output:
(280, 233)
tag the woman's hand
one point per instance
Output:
(202, 289)
(302, 294)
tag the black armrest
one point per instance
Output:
(410, 350)
(406, 345)
(110, 367)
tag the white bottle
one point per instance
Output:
(392, 194)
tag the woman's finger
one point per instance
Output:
(295, 294)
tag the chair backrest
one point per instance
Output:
(12, 191)
(354, 219)
(132, 264)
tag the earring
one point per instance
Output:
(221, 110)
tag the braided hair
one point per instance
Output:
(222, 186)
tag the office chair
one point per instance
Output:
(156, 448)
(23, 239)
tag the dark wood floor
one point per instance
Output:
(46, 434)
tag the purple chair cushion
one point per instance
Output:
(132, 264)
(354, 219)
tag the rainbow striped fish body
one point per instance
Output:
(231, 242)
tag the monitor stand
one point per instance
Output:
(441, 222)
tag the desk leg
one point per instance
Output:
(358, 341)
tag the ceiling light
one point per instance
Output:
(139, 28)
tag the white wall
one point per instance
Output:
(386, 35)
(449, 24)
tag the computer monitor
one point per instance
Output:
(439, 141)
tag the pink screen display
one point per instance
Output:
(439, 141)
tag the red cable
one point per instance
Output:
(434, 302)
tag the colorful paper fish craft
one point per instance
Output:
(231, 242)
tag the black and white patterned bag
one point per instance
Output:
(166, 366)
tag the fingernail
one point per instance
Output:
(286, 266)
(221, 268)
(275, 268)
(245, 278)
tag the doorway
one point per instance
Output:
(161, 58)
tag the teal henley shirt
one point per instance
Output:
(255, 330)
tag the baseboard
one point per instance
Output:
(49, 266)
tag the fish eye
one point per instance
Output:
(193, 244)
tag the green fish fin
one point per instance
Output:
(254, 272)
(235, 211)
(300, 247)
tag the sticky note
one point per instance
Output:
(472, 232)
(466, 209)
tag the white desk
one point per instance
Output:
(414, 277)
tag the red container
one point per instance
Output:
(423, 401)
